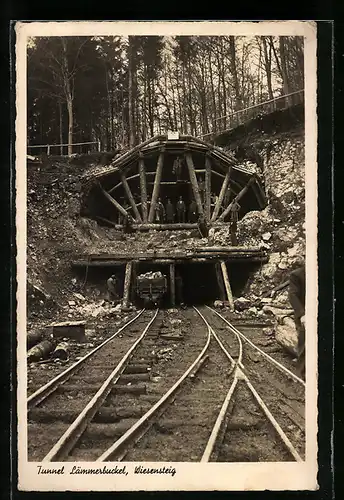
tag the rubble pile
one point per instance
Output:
(151, 275)
(279, 228)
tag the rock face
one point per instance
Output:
(280, 226)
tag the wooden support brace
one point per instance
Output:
(221, 195)
(237, 198)
(133, 279)
(143, 189)
(194, 183)
(207, 188)
(156, 187)
(130, 198)
(227, 285)
(220, 281)
(127, 283)
(114, 202)
(173, 284)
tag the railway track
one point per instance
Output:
(214, 412)
(77, 415)
(261, 383)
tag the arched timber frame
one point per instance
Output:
(135, 181)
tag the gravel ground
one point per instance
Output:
(167, 359)
(181, 433)
(75, 394)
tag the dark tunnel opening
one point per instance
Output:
(196, 283)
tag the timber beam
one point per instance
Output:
(127, 283)
(223, 191)
(227, 284)
(143, 189)
(156, 187)
(114, 202)
(130, 198)
(194, 183)
(207, 194)
(237, 198)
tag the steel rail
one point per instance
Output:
(44, 391)
(219, 422)
(117, 450)
(239, 374)
(68, 440)
(214, 436)
(234, 363)
(269, 358)
(274, 422)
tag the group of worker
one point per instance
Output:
(179, 213)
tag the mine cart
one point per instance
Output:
(151, 287)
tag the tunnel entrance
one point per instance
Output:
(200, 283)
(196, 283)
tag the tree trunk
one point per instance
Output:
(212, 90)
(60, 128)
(68, 95)
(283, 56)
(267, 65)
(223, 87)
(131, 85)
(234, 73)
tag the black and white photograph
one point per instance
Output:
(167, 255)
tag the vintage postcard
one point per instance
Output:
(166, 214)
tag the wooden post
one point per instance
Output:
(114, 202)
(237, 198)
(207, 194)
(173, 285)
(227, 285)
(221, 195)
(130, 198)
(127, 282)
(220, 281)
(194, 183)
(143, 189)
(156, 187)
(133, 278)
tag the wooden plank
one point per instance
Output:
(227, 285)
(237, 198)
(207, 196)
(156, 187)
(127, 283)
(114, 202)
(219, 202)
(130, 198)
(194, 183)
(220, 282)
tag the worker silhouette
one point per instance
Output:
(159, 212)
(181, 209)
(192, 216)
(169, 212)
(203, 226)
(177, 168)
(234, 216)
(128, 224)
(112, 288)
